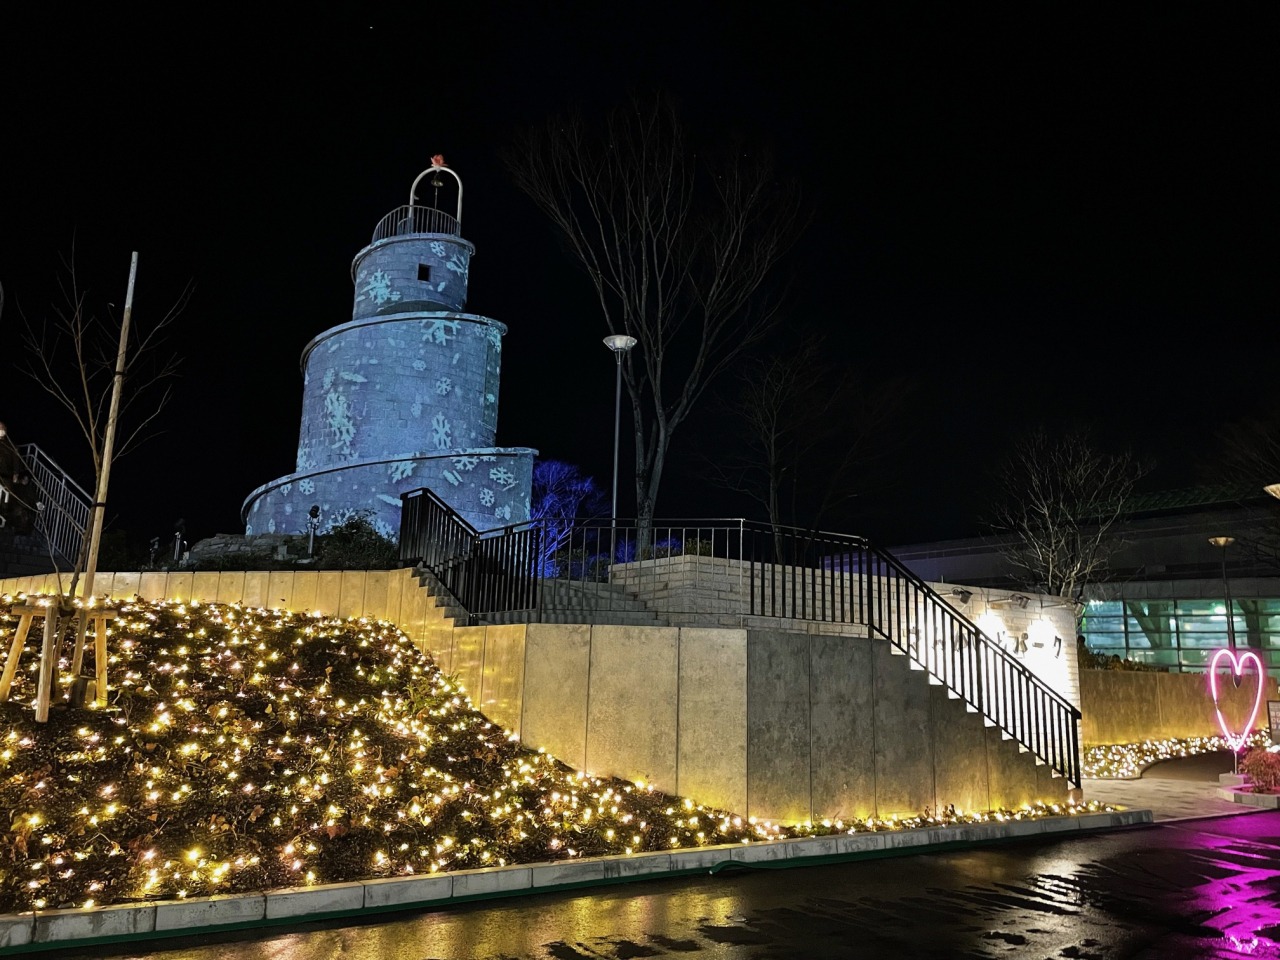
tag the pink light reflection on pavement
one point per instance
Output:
(1242, 903)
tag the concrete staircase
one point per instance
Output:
(23, 554)
(936, 681)
(571, 601)
(446, 608)
(561, 601)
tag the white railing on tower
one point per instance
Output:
(405, 221)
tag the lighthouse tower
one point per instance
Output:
(405, 395)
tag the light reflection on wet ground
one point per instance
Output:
(1204, 889)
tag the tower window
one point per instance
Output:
(424, 272)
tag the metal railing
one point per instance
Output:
(406, 220)
(64, 516)
(725, 572)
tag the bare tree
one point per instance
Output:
(1060, 499)
(1249, 452)
(811, 434)
(1247, 461)
(679, 249)
(73, 354)
(102, 372)
(561, 495)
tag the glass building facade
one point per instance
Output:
(1181, 635)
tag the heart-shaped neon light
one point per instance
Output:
(1237, 667)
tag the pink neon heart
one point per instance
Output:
(1237, 667)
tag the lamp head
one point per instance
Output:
(619, 343)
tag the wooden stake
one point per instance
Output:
(15, 649)
(48, 668)
(100, 496)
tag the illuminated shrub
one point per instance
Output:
(1263, 770)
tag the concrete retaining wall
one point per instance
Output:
(1128, 707)
(713, 591)
(775, 724)
(379, 594)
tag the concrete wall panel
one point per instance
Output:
(1012, 775)
(439, 641)
(632, 703)
(397, 582)
(778, 725)
(960, 767)
(306, 588)
(351, 593)
(255, 589)
(904, 748)
(204, 585)
(842, 746)
(178, 586)
(280, 589)
(124, 586)
(375, 595)
(712, 723)
(152, 584)
(230, 586)
(329, 591)
(556, 680)
(413, 605)
(502, 681)
(468, 660)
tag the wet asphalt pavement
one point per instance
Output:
(1206, 888)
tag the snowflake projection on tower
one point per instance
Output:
(405, 394)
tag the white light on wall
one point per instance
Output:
(1042, 633)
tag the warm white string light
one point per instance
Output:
(247, 749)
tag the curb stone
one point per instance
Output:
(1249, 799)
(56, 929)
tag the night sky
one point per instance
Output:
(1041, 214)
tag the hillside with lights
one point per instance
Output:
(247, 750)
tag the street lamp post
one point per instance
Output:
(620, 344)
(1223, 543)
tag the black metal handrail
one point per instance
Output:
(911, 615)
(715, 569)
(435, 535)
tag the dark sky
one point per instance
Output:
(1044, 213)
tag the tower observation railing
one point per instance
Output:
(730, 572)
(406, 220)
(64, 514)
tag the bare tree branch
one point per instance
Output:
(1060, 499)
(70, 353)
(812, 434)
(678, 249)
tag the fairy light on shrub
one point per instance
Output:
(1123, 761)
(252, 749)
